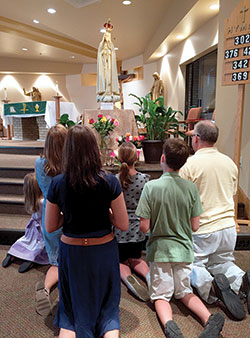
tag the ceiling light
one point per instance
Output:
(214, 6)
(51, 10)
(103, 30)
(116, 48)
(73, 57)
(25, 49)
(180, 37)
(35, 21)
(126, 2)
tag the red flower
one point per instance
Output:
(91, 121)
(100, 116)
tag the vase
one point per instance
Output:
(105, 150)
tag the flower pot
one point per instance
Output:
(152, 150)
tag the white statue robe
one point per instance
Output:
(107, 80)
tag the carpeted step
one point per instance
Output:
(13, 186)
(15, 172)
(12, 227)
(13, 221)
(12, 204)
(21, 150)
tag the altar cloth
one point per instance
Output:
(49, 112)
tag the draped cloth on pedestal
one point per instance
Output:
(126, 118)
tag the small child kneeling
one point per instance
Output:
(170, 207)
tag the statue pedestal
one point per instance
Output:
(106, 105)
(126, 118)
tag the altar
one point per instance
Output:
(31, 120)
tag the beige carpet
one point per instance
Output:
(138, 320)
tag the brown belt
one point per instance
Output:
(87, 241)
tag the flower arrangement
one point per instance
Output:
(136, 140)
(104, 124)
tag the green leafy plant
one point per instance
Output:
(65, 121)
(156, 118)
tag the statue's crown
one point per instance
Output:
(108, 26)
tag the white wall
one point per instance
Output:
(45, 83)
(83, 97)
(172, 65)
(138, 87)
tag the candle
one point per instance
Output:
(5, 93)
(57, 94)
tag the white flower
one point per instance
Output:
(130, 138)
(119, 138)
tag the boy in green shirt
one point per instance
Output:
(170, 207)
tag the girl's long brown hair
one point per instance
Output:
(81, 157)
(53, 149)
(127, 155)
(32, 193)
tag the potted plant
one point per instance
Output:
(65, 121)
(159, 121)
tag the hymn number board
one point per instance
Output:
(236, 64)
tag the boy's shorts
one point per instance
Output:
(168, 279)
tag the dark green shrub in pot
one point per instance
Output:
(159, 122)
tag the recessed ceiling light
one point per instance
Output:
(35, 21)
(214, 6)
(116, 48)
(126, 2)
(103, 30)
(25, 49)
(51, 10)
(73, 57)
(180, 37)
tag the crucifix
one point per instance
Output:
(243, 11)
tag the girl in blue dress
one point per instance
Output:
(47, 166)
(86, 201)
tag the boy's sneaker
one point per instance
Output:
(137, 289)
(245, 288)
(172, 330)
(213, 326)
(231, 301)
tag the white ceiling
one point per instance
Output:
(134, 27)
